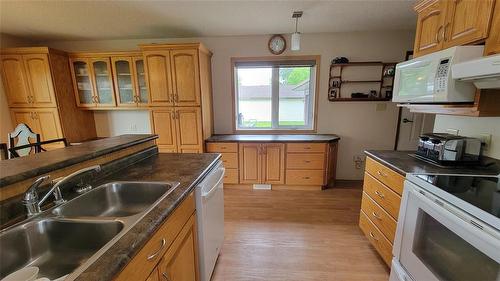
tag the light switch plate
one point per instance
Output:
(486, 140)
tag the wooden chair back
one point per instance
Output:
(23, 136)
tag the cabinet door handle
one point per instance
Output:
(380, 194)
(444, 31)
(176, 98)
(157, 252)
(438, 32)
(165, 276)
(373, 236)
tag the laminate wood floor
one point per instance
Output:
(296, 235)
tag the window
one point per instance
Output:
(275, 95)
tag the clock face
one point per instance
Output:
(277, 44)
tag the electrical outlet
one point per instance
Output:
(485, 140)
(452, 131)
(358, 161)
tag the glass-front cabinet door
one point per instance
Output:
(142, 90)
(103, 83)
(85, 96)
(123, 75)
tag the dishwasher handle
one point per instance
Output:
(209, 194)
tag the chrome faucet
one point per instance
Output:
(31, 196)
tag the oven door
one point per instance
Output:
(440, 242)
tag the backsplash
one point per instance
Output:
(473, 127)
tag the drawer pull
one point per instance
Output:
(381, 174)
(376, 216)
(306, 178)
(165, 276)
(380, 194)
(153, 255)
(307, 147)
(373, 236)
(222, 147)
(307, 161)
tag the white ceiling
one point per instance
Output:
(93, 20)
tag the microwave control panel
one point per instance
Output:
(441, 79)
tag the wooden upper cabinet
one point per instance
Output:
(140, 76)
(157, 69)
(39, 79)
(250, 159)
(15, 81)
(102, 82)
(82, 82)
(185, 77)
(430, 23)
(467, 21)
(124, 81)
(189, 129)
(273, 163)
(493, 42)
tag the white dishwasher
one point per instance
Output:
(210, 219)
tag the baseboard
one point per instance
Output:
(348, 184)
(297, 187)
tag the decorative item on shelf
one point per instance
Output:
(388, 94)
(277, 44)
(296, 35)
(339, 60)
(373, 94)
(332, 95)
(389, 71)
(359, 95)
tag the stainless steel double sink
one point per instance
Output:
(71, 236)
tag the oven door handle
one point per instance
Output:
(214, 189)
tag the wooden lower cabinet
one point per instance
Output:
(44, 121)
(171, 253)
(262, 163)
(382, 189)
(230, 159)
(178, 129)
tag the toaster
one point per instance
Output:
(449, 149)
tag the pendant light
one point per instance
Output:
(296, 35)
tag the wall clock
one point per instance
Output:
(277, 44)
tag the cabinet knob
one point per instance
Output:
(165, 276)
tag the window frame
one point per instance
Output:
(314, 117)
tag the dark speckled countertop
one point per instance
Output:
(18, 169)
(188, 169)
(273, 138)
(403, 163)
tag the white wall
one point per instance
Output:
(359, 124)
(113, 123)
(7, 41)
(473, 127)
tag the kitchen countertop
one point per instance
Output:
(19, 169)
(273, 138)
(188, 169)
(403, 163)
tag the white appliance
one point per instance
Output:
(483, 72)
(209, 195)
(448, 229)
(428, 79)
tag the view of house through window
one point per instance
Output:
(275, 95)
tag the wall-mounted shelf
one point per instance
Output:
(338, 79)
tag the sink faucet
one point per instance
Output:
(31, 196)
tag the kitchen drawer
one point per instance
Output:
(231, 176)
(379, 217)
(309, 161)
(386, 175)
(230, 160)
(140, 266)
(306, 147)
(166, 149)
(378, 240)
(222, 147)
(384, 196)
(305, 177)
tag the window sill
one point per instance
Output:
(273, 132)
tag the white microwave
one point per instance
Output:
(428, 79)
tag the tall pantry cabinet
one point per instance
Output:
(39, 91)
(179, 82)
